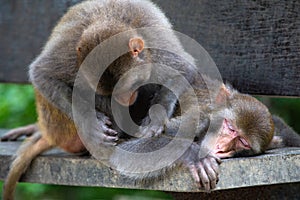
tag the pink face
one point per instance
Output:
(230, 141)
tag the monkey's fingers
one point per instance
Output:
(109, 131)
(103, 118)
(109, 139)
(152, 130)
(194, 172)
(108, 122)
(214, 163)
(211, 168)
(217, 159)
(205, 182)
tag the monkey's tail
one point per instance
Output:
(287, 136)
(32, 147)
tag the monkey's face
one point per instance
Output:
(126, 74)
(247, 128)
(125, 92)
(230, 140)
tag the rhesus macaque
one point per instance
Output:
(232, 125)
(54, 71)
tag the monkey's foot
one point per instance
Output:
(205, 172)
(16, 133)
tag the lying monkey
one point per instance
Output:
(244, 127)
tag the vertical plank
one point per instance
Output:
(255, 44)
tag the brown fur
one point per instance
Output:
(54, 71)
(250, 116)
(55, 133)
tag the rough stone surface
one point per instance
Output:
(55, 167)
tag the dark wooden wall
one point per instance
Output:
(255, 44)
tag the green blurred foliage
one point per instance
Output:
(29, 191)
(17, 108)
(286, 108)
(17, 105)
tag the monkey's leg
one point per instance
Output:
(27, 152)
(204, 170)
(16, 133)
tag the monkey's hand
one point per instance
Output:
(155, 128)
(109, 135)
(204, 170)
(153, 125)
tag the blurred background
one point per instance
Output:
(17, 108)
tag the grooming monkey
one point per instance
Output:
(53, 73)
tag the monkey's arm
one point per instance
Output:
(175, 85)
(284, 136)
(204, 170)
(53, 82)
(47, 76)
(172, 126)
(154, 125)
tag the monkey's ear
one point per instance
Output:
(136, 45)
(223, 94)
(79, 51)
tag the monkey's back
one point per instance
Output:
(54, 71)
(60, 50)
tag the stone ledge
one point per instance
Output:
(278, 166)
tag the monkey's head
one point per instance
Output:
(129, 72)
(122, 69)
(247, 127)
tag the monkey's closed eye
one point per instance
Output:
(230, 127)
(244, 142)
